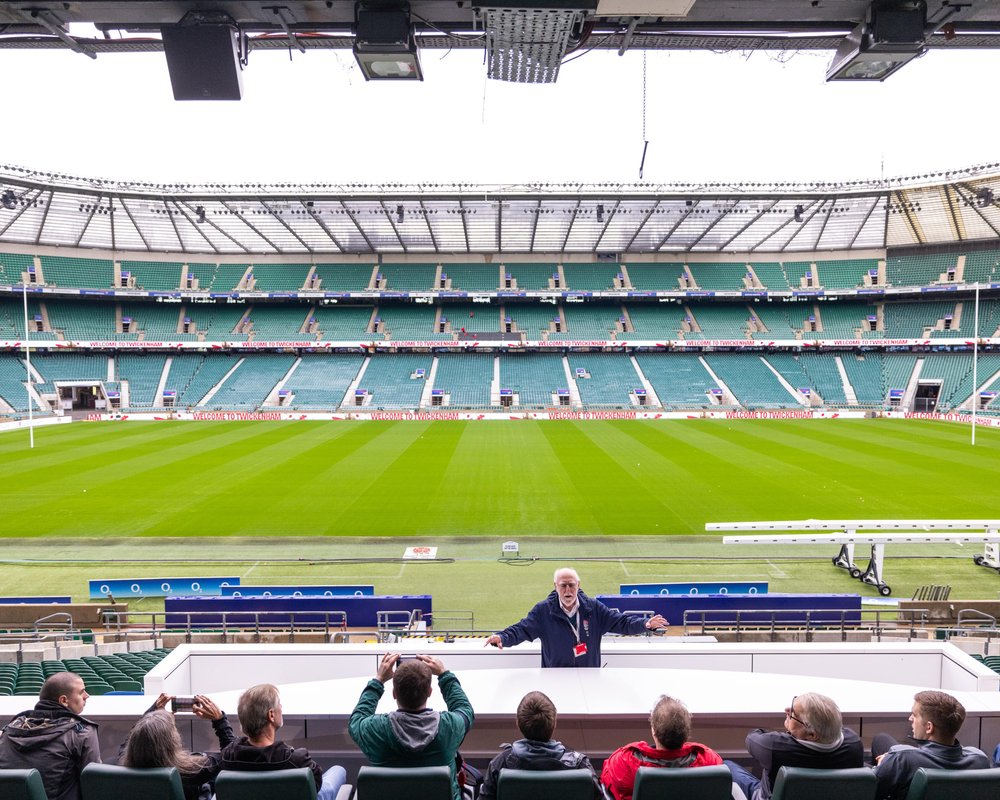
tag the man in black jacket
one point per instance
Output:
(258, 750)
(53, 738)
(536, 719)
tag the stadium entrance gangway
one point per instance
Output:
(878, 621)
(849, 536)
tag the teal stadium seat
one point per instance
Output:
(403, 783)
(798, 783)
(703, 783)
(285, 784)
(955, 784)
(527, 784)
(104, 781)
(21, 784)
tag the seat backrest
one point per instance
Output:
(283, 784)
(526, 784)
(955, 784)
(103, 781)
(695, 783)
(404, 783)
(21, 784)
(799, 783)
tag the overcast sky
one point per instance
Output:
(709, 117)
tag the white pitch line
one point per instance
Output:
(778, 572)
(255, 565)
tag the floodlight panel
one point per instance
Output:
(527, 45)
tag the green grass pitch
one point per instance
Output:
(627, 499)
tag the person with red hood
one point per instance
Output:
(670, 723)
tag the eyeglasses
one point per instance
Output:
(790, 713)
(567, 585)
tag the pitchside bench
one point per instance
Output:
(848, 533)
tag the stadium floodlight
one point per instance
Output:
(894, 35)
(384, 45)
(9, 200)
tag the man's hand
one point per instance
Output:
(162, 701)
(437, 666)
(656, 622)
(205, 708)
(495, 640)
(386, 666)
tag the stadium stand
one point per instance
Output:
(152, 322)
(466, 377)
(343, 277)
(13, 266)
(823, 375)
(921, 270)
(409, 322)
(143, 373)
(914, 320)
(719, 277)
(791, 368)
(531, 321)
(408, 277)
(529, 276)
(534, 377)
(591, 277)
(655, 322)
(842, 274)
(655, 277)
(321, 380)
(152, 276)
(76, 321)
(217, 322)
(349, 323)
(775, 320)
(90, 273)
(252, 381)
(718, 322)
(770, 275)
(680, 380)
(595, 321)
(472, 277)
(750, 380)
(474, 318)
(71, 367)
(839, 320)
(277, 322)
(192, 376)
(280, 277)
(604, 379)
(981, 267)
(199, 275)
(390, 379)
(795, 272)
(12, 380)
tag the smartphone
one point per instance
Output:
(182, 704)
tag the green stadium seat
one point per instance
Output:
(525, 784)
(286, 784)
(405, 783)
(797, 783)
(955, 784)
(703, 783)
(21, 784)
(104, 781)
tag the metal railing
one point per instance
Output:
(807, 621)
(226, 622)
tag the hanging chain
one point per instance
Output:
(644, 95)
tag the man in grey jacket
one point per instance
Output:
(53, 738)
(936, 718)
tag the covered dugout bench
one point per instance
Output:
(848, 533)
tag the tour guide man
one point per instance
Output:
(571, 625)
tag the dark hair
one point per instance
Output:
(671, 723)
(411, 684)
(944, 711)
(536, 717)
(154, 742)
(57, 685)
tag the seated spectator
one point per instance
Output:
(259, 711)
(936, 718)
(536, 719)
(670, 723)
(53, 738)
(814, 738)
(413, 735)
(155, 742)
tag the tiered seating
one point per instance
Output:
(344, 277)
(82, 321)
(989, 316)
(12, 265)
(191, 376)
(979, 267)
(591, 277)
(530, 276)
(217, 322)
(321, 381)
(88, 273)
(280, 277)
(466, 378)
(409, 277)
(157, 322)
(612, 378)
(865, 374)
(534, 376)
(71, 367)
(896, 372)
(12, 379)
(227, 277)
(776, 320)
(203, 273)
(278, 322)
(749, 379)
(648, 277)
(918, 270)
(909, 320)
(771, 275)
(794, 272)
(163, 276)
(143, 375)
(655, 322)
(955, 372)
(719, 321)
(532, 320)
(846, 274)
(588, 321)
(679, 379)
(472, 277)
(249, 386)
(410, 322)
(475, 318)
(344, 323)
(840, 320)
(824, 377)
(720, 277)
(388, 379)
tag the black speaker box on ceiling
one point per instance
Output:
(203, 61)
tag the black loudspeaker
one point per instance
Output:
(203, 61)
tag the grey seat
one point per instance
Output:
(404, 783)
(21, 784)
(698, 783)
(798, 783)
(108, 782)
(526, 784)
(950, 784)
(284, 784)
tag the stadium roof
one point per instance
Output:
(615, 24)
(613, 219)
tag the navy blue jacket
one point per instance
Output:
(548, 622)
